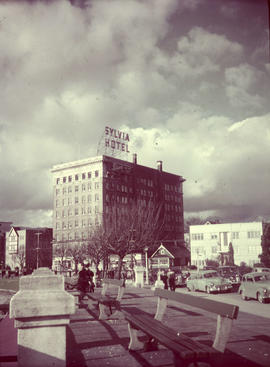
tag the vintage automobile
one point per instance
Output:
(255, 285)
(232, 274)
(208, 281)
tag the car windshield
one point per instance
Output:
(210, 275)
(259, 278)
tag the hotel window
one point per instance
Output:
(83, 199)
(57, 225)
(96, 197)
(69, 212)
(64, 226)
(57, 191)
(89, 222)
(83, 176)
(96, 209)
(83, 187)
(89, 174)
(76, 211)
(96, 185)
(70, 189)
(57, 203)
(76, 236)
(96, 173)
(69, 201)
(235, 235)
(57, 181)
(89, 186)
(76, 188)
(56, 214)
(214, 236)
(83, 211)
(70, 236)
(76, 177)
(76, 200)
(63, 202)
(76, 223)
(69, 178)
(89, 198)
(63, 213)
(64, 179)
(64, 190)
(83, 223)
(89, 210)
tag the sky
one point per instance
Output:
(188, 80)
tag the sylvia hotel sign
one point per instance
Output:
(116, 140)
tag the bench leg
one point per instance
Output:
(134, 343)
(103, 312)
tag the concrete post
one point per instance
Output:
(159, 283)
(139, 276)
(41, 309)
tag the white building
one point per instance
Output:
(207, 241)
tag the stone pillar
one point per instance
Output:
(139, 276)
(41, 309)
(159, 283)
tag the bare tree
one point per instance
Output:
(96, 246)
(131, 228)
(19, 257)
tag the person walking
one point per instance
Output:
(164, 278)
(83, 282)
(171, 276)
(90, 276)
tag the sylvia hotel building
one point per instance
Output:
(83, 190)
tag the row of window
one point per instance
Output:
(169, 207)
(76, 211)
(175, 198)
(74, 224)
(214, 249)
(145, 181)
(71, 201)
(70, 236)
(69, 189)
(76, 177)
(234, 235)
(172, 188)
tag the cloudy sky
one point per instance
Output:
(187, 79)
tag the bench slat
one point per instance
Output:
(150, 328)
(220, 308)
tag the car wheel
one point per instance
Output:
(260, 297)
(207, 290)
(244, 298)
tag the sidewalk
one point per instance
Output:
(104, 343)
(95, 343)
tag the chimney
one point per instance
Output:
(159, 166)
(134, 158)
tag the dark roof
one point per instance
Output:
(176, 250)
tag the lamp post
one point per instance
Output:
(146, 266)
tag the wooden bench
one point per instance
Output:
(185, 349)
(106, 301)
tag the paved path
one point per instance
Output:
(95, 343)
(104, 343)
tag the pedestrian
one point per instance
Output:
(171, 276)
(90, 275)
(164, 278)
(83, 282)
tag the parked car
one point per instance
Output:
(231, 273)
(255, 285)
(208, 281)
(261, 269)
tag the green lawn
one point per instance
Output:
(12, 284)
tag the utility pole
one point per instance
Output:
(38, 248)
